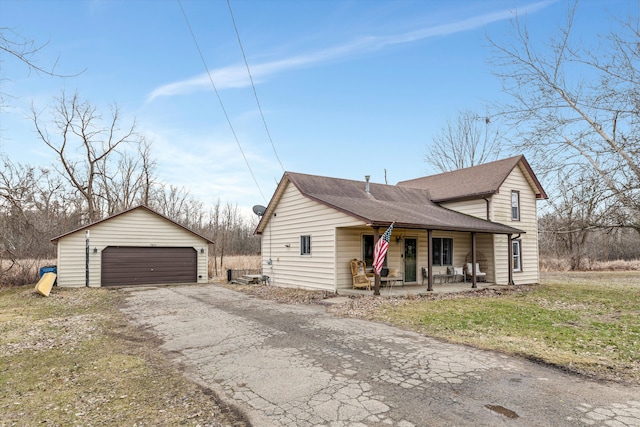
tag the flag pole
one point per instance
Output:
(379, 253)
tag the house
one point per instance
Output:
(314, 225)
(136, 247)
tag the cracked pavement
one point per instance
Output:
(296, 365)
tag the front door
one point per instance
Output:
(410, 259)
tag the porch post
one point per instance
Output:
(376, 284)
(430, 261)
(510, 259)
(473, 260)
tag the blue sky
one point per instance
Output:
(348, 88)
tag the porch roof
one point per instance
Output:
(382, 204)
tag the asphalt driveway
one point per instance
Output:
(296, 365)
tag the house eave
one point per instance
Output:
(466, 197)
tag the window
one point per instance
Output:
(367, 250)
(515, 205)
(442, 251)
(516, 248)
(305, 245)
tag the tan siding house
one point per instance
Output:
(314, 226)
(296, 217)
(141, 243)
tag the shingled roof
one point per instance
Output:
(142, 207)
(383, 204)
(474, 182)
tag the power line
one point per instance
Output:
(215, 89)
(253, 86)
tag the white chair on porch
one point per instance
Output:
(480, 275)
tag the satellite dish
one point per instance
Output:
(259, 210)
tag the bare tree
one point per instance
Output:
(25, 51)
(86, 148)
(34, 206)
(130, 183)
(172, 201)
(582, 206)
(578, 106)
(467, 140)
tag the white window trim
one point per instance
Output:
(517, 242)
(517, 206)
(302, 247)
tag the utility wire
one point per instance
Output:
(255, 94)
(215, 89)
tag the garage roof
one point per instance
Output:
(55, 239)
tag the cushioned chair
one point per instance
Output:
(394, 276)
(481, 276)
(458, 274)
(361, 279)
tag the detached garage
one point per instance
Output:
(135, 247)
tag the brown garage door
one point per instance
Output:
(124, 266)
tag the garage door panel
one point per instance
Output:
(123, 266)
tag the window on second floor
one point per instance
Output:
(442, 251)
(515, 205)
(305, 245)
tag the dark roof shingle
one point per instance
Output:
(473, 182)
(384, 204)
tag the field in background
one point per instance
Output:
(561, 264)
(233, 262)
(22, 272)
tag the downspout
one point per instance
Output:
(86, 260)
(487, 202)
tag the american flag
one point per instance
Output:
(380, 250)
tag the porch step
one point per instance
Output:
(249, 279)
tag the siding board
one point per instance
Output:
(501, 205)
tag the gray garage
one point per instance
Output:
(136, 247)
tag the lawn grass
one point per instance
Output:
(586, 323)
(72, 359)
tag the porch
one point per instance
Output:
(419, 289)
(416, 254)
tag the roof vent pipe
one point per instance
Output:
(366, 185)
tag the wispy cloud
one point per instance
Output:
(235, 76)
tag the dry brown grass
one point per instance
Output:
(283, 295)
(72, 359)
(233, 262)
(550, 264)
(22, 272)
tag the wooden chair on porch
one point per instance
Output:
(361, 279)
